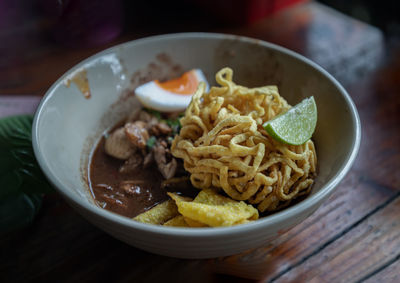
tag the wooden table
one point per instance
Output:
(353, 237)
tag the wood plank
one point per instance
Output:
(378, 104)
(355, 199)
(389, 274)
(371, 245)
(38, 68)
(63, 247)
(347, 48)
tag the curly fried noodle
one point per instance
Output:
(224, 145)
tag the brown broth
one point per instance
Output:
(105, 179)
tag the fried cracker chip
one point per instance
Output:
(212, 209)
(209, 196)
(159, 214)
(193, 223)
(177, 221)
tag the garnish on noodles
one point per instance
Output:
(224, 146)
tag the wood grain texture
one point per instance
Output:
(36, 71)
(378, 103)
(62, 247)
(389, 274)
(371, 245)
(348, 49)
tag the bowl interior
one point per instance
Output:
(68, 124)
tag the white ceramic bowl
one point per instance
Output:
(67, 125)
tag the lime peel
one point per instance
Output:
(295, 126)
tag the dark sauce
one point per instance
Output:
(145, 185)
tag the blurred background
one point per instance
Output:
(34, 31)
(95, 22)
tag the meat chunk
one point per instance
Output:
(145, 116)
(160, 129)
(133, 162)
(148, 159)
(118, 145)
(167, 169)
(134, 115)
(160, 154)
(173, 115)
(152, 121)
(148, 118)
(130, 142)
(164, 144)
(164, 128)
(137, 133)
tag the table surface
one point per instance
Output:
(352, 237)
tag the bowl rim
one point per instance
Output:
(262, 223)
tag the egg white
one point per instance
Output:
(154, 97)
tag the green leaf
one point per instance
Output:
(10, 183)
(19, 171)
(22, 183)
(175, 125)
(18, 211)
(7, 161)
(155, 113)
(16, 131)
(34, 182)
(151, 142)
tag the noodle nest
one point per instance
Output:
(223, 145)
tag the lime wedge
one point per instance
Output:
(296, 125)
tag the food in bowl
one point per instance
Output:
(152, 166)
(63, 142)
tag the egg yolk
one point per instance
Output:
(186, 84)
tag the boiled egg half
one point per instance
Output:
(173, 95)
